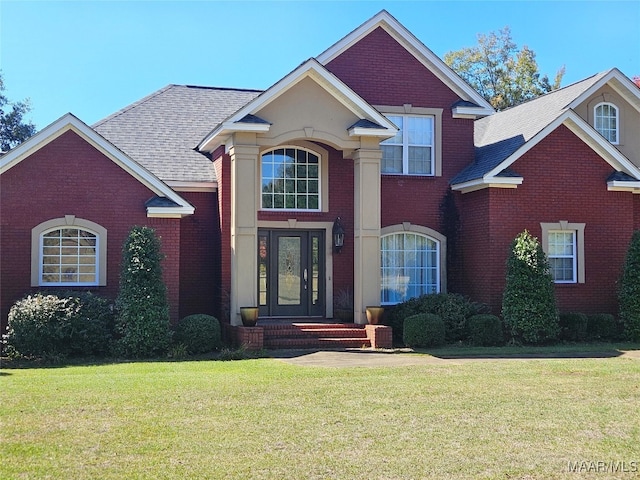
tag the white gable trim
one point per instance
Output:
(618, 82)
(310, 69)
(585, 132)
(409, 41)
(71, 122)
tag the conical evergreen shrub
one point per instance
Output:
(629, 291)
(528, 304)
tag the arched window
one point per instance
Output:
(68, 252)
(290, 179)
(410, 266)
(606, 121)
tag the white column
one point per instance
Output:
(244, 230)
(366, 230)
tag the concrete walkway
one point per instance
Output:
(406, 357)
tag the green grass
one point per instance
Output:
(265, 419)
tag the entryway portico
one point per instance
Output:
(282, 257)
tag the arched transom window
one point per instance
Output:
(410, 266)
(606, 121)
(290, 179)
(69, 257)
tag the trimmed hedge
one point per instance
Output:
(424, 330)
(573, 327)
(629, 292)
(199, 333)
(485, 331)
(602, 326)
(60, 325)
(454, 310)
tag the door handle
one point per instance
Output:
(305, 278)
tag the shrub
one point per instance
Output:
(485, 330)
(67, 324)
(142, 309)
(573, 327)
(453, 309)
(602, 326)
(629, 292)
(528, 304)
(199, 333)
(424, 330)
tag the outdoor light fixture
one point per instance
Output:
(338, 235)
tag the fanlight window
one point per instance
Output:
(606, 121)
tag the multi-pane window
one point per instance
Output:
(69, 256)
(562, 256)
(410, 151)
(410, 265)
(606, 121)
(290, 179)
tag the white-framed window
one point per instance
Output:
(606, 121)
(411, 150)
(563, 243)
(68, 252)
(410, 265)
(291, 179)
(562, 256)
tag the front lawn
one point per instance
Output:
(265, 419)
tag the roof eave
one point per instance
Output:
(169, 212)
(489, 182)
(621, 186)
(371, 132)
(471, 112)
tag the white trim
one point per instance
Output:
(480, 183)
(621, 84)
(71, 122)
(414, 46)
(310, 69)
(578, 229)
(585, 132)
(470, 112)
(192, 186)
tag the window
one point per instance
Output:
(606, 121)
(290, 179)
(562, 256)
(68, 252)
(563, 243)
(410, 265)
(411, 150)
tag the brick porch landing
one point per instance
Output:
(284, 334)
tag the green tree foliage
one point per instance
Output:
(629, 292)
(503, 74)
(142, 309)
(13, 130)
(529, 304)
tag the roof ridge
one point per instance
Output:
(233, 89)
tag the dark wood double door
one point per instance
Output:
(291, 277)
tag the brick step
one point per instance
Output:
(316, 342)
(315, 332)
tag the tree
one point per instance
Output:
(629, 292)
(142, 310)
(13, 130)
(528, 303)
(636, 80)
(503, 74)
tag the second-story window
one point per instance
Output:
(290, 179)
(411, 150)
(606, 121)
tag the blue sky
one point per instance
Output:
(92, 58)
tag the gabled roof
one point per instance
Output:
(504, 137)
(237, 122)
(477, 104)
(162, 130)
(176, 208)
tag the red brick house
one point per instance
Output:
(246, 188)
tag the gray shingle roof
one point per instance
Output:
(498, 136)
(162, 130)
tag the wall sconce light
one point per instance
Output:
(338, 235)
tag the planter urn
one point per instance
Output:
(249, 316)
(374, 314)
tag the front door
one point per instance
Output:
(291, 273)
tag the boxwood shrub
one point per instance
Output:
(485, 330)
(199, 333)
(59, 325)
(573, 327)
(602, 326)
(424, 330)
